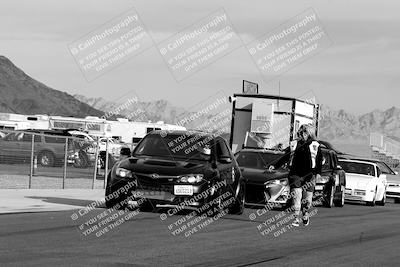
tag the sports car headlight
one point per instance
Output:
(124, 173)
(322, 179)
(191, 178)
(277, 182)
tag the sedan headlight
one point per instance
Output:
(277, 182)
(124, 173)
(322, 179)
(191, 178)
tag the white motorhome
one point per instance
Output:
(10, 121)
(133, 132)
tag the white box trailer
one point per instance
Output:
(268, 121)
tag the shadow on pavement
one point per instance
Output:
(67, 201)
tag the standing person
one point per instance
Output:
(305, 167)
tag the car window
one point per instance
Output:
(257, 160)
(326, 161)
(11, 137)
(174, 146)
(222, 150)
(24, 137)
(384, 168)
(378, 172)
(249, 160)
(358, 168)
(335, 160)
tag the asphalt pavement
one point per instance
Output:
(354, 235)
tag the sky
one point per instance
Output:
(358, 72)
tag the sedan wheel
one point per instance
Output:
(238, 205)
(340, 202)
(373, 202)
(331, 195)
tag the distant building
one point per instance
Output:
(122, 129)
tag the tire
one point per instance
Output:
(82, 161)
(238, 205)
(46, 158)
(397, 200)
(111, 202)
(373, 202)
(146, 206)
(340, 202)
(382, 202)
(330, 197)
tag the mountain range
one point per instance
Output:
(19, 93)
(334, 124)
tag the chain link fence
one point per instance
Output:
(386, 149)
(42, 159)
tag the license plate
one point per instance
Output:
(319, 187)
(149, 193)
(186, 190)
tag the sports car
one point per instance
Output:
(180, 170)
(365, 182)
(272, 187)
(392, 177)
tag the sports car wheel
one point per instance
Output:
(383, 201)
(238, 205)
(329, 197)
(340, 202)
(112, 200)
(373, 202)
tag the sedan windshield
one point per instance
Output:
(185, 146)
(358, 168)
(257, 160)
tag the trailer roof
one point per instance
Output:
(272, 97)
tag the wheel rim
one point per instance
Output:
(331, 197)
(342, 188)
(45, 160)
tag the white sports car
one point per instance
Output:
(364, 182)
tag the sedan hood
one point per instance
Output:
(261, 175)
(162, 166)
(358, 181)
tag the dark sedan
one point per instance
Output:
(263, 186)
(179, 170)
(272, 187)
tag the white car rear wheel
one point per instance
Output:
(373, 202)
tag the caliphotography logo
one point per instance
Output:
(110, 45)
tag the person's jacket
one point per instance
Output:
(305, 158)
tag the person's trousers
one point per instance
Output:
(302, 200)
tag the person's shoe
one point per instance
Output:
(306, 220)
(296, 222)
